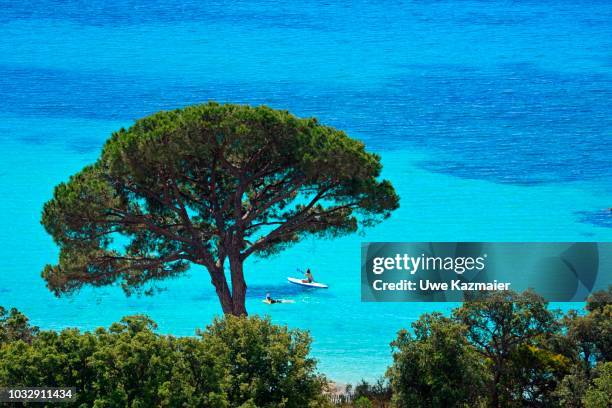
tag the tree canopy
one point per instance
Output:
(506, 349)
(209, 184)
(436, 366)
(509, 330)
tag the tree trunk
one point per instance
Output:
(220, 284)
(495, 389)
(239, 286)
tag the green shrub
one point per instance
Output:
(235, 362)
(362, 402)
(264, 364)
(379, 392)
(14, 325)
(435, 366)
(599, 394)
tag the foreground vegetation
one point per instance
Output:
(235, 362)
(506, 350)
(500, 350)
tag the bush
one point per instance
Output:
(599, 395)
(435, 366)
(362, 402)
(14, 325)
(379, 393)
(235, 362)
(264, 364)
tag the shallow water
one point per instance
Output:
(493, 120)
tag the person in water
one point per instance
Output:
(308, 277)
(270, 300)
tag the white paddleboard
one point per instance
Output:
(298, 281)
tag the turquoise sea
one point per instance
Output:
(493, 119)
